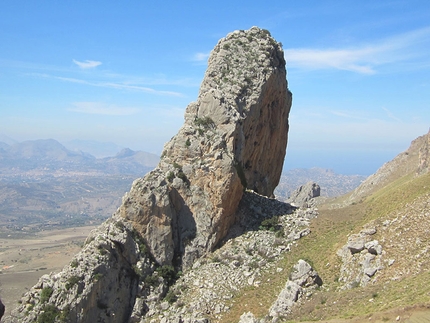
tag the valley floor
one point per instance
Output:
(23, 261)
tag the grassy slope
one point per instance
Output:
(329, 233)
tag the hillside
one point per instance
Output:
(245, 276)
(394, 203)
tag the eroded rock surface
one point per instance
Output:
(234, 137)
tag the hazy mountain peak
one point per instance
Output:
(126, 152)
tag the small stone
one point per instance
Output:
(370, 271)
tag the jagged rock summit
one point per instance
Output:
(234, 137)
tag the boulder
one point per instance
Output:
(356, 243)
(302, 279)
(361, 259)
(248, 317)
(234, 137)
(304, 195)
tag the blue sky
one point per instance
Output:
(124, 72)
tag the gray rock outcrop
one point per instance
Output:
(248, 317)
(303, 279)
(305, 195)
(361, 259)
(424, 156)
(234, 137)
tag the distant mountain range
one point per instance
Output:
(96, 148)
(44, 184)
(49, 157)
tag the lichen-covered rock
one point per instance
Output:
(234, 137)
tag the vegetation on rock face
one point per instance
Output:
(45, 294)
(205, 122)
(49, 314)
(72, 281)
(271, 224)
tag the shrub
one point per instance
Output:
(74, 263)
(168, 273)
(72, 281)
(170, 176)
(171, 297)
(98, 276)
(49, 314)
(271, 224)
(151, 280)
(64, 315)
(188, 142)
(138, 271)
(184, 178)
(205, 122)
(102, 250)
(143, 249)
(46, 294)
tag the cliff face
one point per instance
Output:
(234, 137)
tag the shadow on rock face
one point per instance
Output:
(253, 210)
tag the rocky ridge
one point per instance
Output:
(415, 160)
(187, 206)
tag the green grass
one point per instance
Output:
(329, 233)
(396, 195)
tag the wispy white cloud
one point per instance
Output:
(87, 64)
(390, 114)
(363, 59)
(102, 109)
(114, 85)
